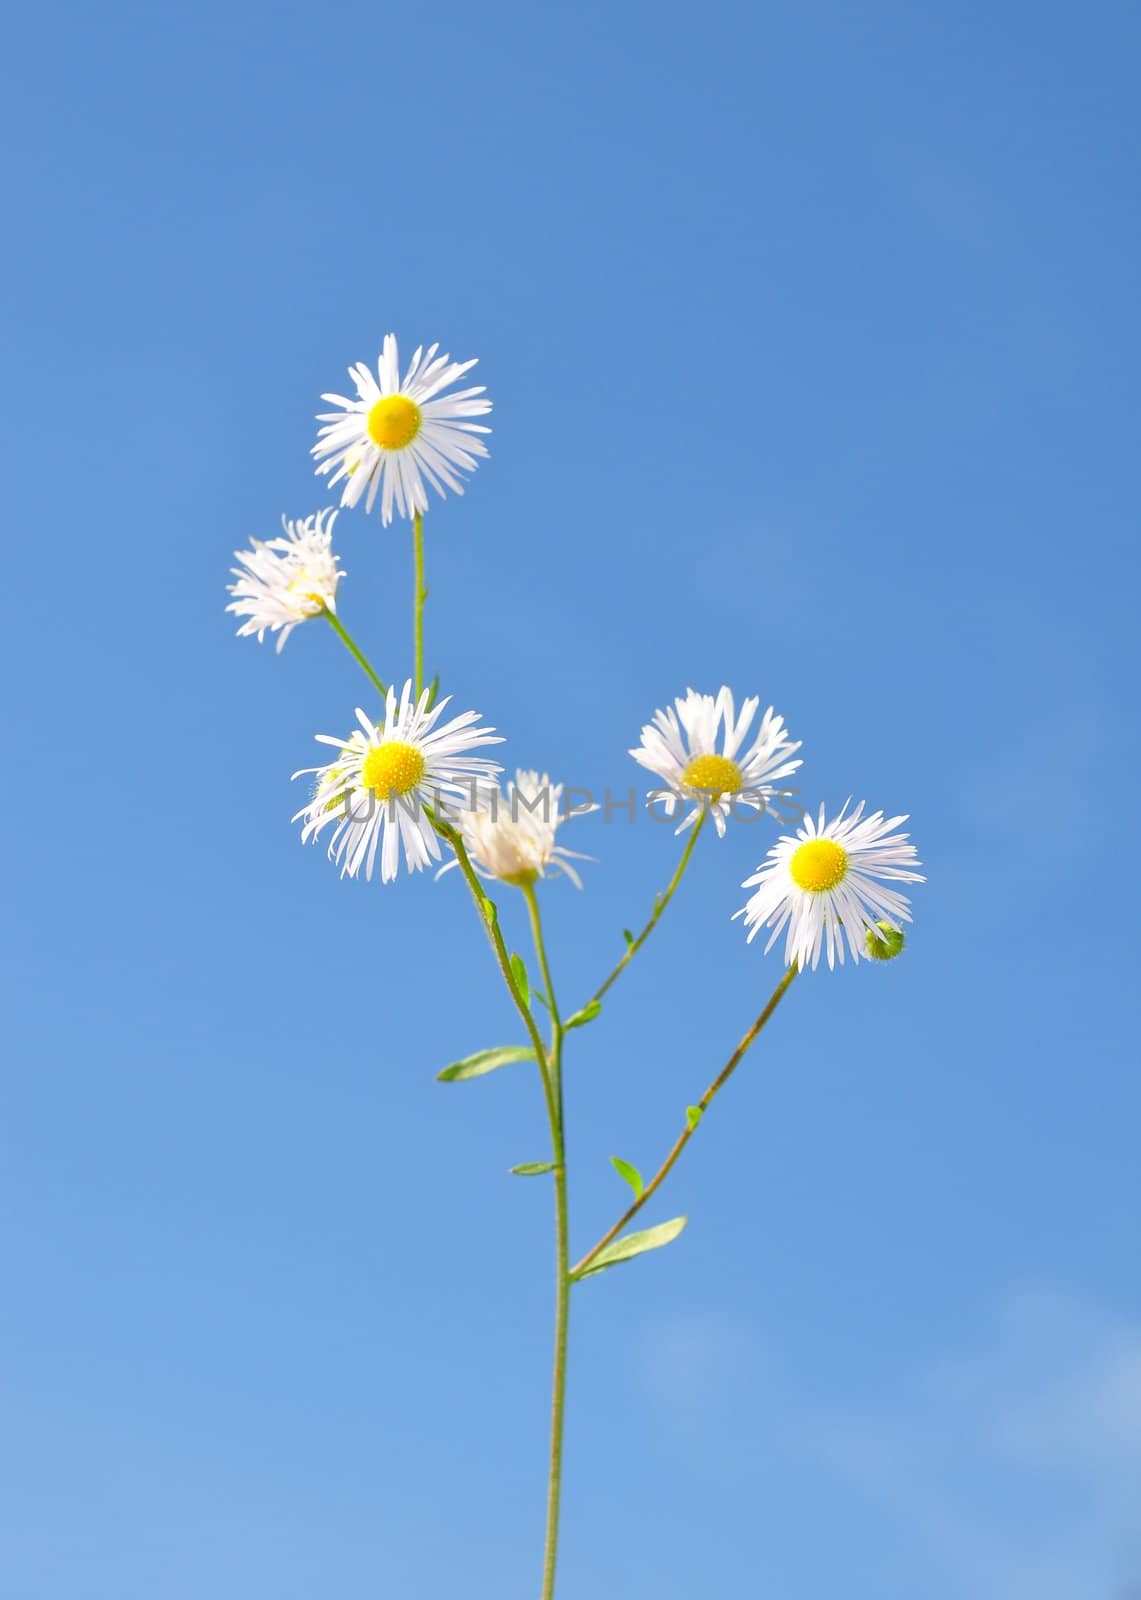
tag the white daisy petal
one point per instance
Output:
(395, 435)
(510, 834)
(825, 885)
(693, 745)
(284, 581)
(373, 793)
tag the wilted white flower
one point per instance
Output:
(397, 433)
(826, 885)
(511, 833)
(287, 580)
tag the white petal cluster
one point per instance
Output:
(399, 432)
(284, 581)
(511, 835)
(695, 748)
(826, 885)
(373, 793)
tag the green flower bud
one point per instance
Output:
(885, 945)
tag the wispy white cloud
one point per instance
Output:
(1015, 1465)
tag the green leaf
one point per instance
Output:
(533, 1169)
(537, 994)
(587, 1014)
(519, 973)
(490, 910)
(484, 1061)
(631, 1174)
(693, 1115)
(434, 686)
(628, 936)
(633, 1244)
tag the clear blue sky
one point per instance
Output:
(812, 335)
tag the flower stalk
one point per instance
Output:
(691, 1126)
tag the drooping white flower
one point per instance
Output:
(511, 833)
(694, 747)
(373, 793)
(826, 885)
(287, 580)
(398, 432)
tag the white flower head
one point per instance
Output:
(398, 432)
(511, 833)
(826, 885)
(695, 748)
(287, 580)
(373, 793)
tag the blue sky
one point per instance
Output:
(812, 336)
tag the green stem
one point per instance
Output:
(686, 1135)
(562, 1259)
(419, 595)
(660, 905)
(353, 648)
(491, 927)
(541, 951)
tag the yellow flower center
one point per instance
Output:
(303, 596)
(394, 422)
(392, 768)
(715, 775)
(819, 865)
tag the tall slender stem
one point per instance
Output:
(660, 904)
(687, 1133)
(353, 648)
(420, 594)
(562, 1260)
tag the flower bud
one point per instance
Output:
(886, 944)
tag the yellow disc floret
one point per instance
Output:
(819, 865)
(392, 768)
(305, 598)
(394, 421)
(713, 775)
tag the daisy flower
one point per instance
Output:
(695, 748)
(395, 434)
(511, 834)
(284, 581)
(373, 793)
(826, 885)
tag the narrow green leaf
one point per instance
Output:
(693, 1115)
(489, 910)
(631, 1174)
(628, 936)
(587, 1014)
(519, 973)
(537, 994)
(533, 1169)
(434, 686)
(633, 1244)
(484, 1061)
